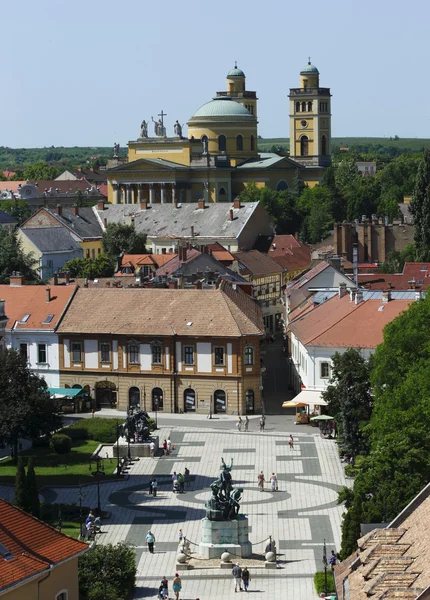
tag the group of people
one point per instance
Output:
(241, 578)
(167, 447)
(163, 590)
(93, 525)
(179, 480)
(273, 482)
(245, 423)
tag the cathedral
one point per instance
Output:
(220, 156)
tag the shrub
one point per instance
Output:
(113, 565)
(76, 432)
(152, 425)
(97, 429)
(41, 442)
(60, 443)
(351, 471)
(319, 582)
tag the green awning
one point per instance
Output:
(67, 392)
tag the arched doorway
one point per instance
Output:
(189, 400)
(157, 399)
(239, 142)
(220, 401)
(134, 397)
(249, 401)
(106, 396)
(304, 145)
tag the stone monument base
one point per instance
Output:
(225, 536)
(137, 450)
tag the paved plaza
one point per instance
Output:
(299, 516)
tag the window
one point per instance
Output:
(133, 354)
(219, 356)
(189, 355)
(134, 397)
(189, 400)
(25, 318)
(325, 370)
(76, 351)
(304, 145)
(87, 253)
(309, 106)
(105, 352)
(324, 145)
(157, 399)
(48, 319)
(93, 253)
(281, 185)
(239, 142)
(249, 355)
(303, 106)
(41, 353)
(50, 264)
(252, 142)
(297, 106)
(222, 143)
(61, 596)
(156, 354)
(23, 351)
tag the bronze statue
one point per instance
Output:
(223, 505)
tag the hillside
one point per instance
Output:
(361, 144)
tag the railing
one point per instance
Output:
(310, 91)
(244, 94)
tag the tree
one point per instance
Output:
(110, 568)
(349, 398)
(13, 258)
(119, 238)
(40, 171)
(20, 498)
(396, 259)
(351, 528)
(18, 209)
(101, 266)
(26, 409)
(315, 206)
(32, 490)
(420, 208)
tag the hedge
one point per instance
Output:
(319, 582)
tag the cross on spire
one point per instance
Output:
(235, 64)
(309, 60)
(162, 115)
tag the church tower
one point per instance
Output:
(236, 90)
(310, 120)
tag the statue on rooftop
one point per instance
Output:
(116, 150)
(144, 129)
(177, 129)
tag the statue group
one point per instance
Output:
(135, 427)
(223, 505)
(159, 128)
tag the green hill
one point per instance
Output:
(361, 144)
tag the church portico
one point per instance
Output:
(164, 192)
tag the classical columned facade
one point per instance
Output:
(151, 192)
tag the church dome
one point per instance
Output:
(222, 107)
(236, 72)
(309, 68)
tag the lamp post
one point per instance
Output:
(325, 567)
(118, 462)
(80, 498)
(210, 407)
(100, 470)
(156, 412)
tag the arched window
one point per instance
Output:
(77, 386)
(303, 106)
(134, 397)
(157, 399)
(323, 145)
(304, 146)
(309, 106)
(281, 185)
(222, 143)
(222, 195)
(249, 400)
(252, 142)
(204, 138)
(249, 355)
(189, 400)
(220, 401)
(239, 142)
(297, 106)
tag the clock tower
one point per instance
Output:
(310, 120)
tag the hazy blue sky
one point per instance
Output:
(87, 72)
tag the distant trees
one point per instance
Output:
(18, 209)
(39, 171)
(101, 266)
(119, 238)
(420, 208)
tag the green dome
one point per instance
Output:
(309, 68)
(236, 72)
(222, 107)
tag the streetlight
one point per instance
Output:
(118, 461)
(80, 498)
(324, 560)
(210, 407)
(100, 470)
(156, 412)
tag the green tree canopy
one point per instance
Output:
(32, 490)
(113, 567)
(101, 266)
(18, 209)
(118, 238)
(40, 171)
(420, 208)
(20, 498)
(13, 258)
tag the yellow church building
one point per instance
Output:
(219, 157)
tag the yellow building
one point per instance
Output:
(219, 157)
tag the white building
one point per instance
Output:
(34, 313)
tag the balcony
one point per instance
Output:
(238, 94)
(310, 91)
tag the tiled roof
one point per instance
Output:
(222, 312)
(84, 224)
(220, 253)
(34, 546)
(175, 263)
(5, 219)
(257, 263)
(31, 300)
(338, 322)
(304, 279)
(414, 276)
(51, 239)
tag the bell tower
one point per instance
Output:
(310, 120)
(236, 89)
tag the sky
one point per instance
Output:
(85, 73)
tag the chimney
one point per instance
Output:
(342, 290)
(352, 295)
(59, 210)
(198, 285)
(296, 235)
(184, 253)
(201, 204)
(230, 212)
(48, 294)
(144, 205)
(192, 230)
(100, 205)
(67, 276)
(358, 296)
(355, 262)
(386, 296)
(418, 295)
(76, 210)
(163, 250)
(55, 278)
(236, 203)
(105, 223)
(16, 279)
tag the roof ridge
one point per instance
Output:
(224, 297)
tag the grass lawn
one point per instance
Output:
(69, 528)
(60, 469)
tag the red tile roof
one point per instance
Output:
(319, 268)
(137, 260)
(414, 276)
(174, 264)
(257, 263)
(221, 253)
(338, 322)
(289, 253)
(33, 546)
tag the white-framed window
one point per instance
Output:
(219, 356)
(325, 370)
(105, 352)
(133, 354)
(77, 351)
(41, 353)
(249, 355)
(157, 354)
(62, 595)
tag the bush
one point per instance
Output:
(60, 443)
(319, 582)
(113, 565)
(152, 425)
(76, 432)
(97, 429)
(351, 471)
(41, 442)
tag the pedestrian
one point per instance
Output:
(150, 540)
(165, 447)
(181, 482)
(169, 445)
(332, 560)
(151, 483)
(187, 478)
(274, 482)
(177, 585)
(291, 442)
(165, 584)
(261, 480)
(262, 422)
(239, 424)
(152, 449)
(237, 577)
(335, 429)
(180, 536)
(246, 424)
(246, 578)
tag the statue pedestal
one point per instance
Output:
(137, 450)
(225, 536)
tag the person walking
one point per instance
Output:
(261, 481)
(165, 447)
(332, 560)
(237, 577)
(152, 449)
(246, 424)
(177, 585)
(274, 482)
(246, 578)
(262, 422)
(169, 445)
(181, 482)
(239, 424)
(150, 540)
(187, 478)
(180, 536)
(291, 442)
